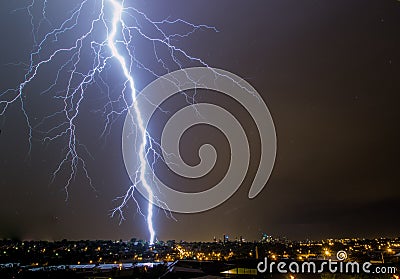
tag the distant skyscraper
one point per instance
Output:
(266, 238)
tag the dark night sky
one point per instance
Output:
(329, 72)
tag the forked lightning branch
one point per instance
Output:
(107, 32)
(105, 42)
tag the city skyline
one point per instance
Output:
(214, 258)
(328, 72)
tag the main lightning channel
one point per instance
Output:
(63, 45)
(117, 20)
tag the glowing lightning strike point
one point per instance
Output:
(117, 19)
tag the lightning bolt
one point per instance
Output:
(86, 58)
(117, 19)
